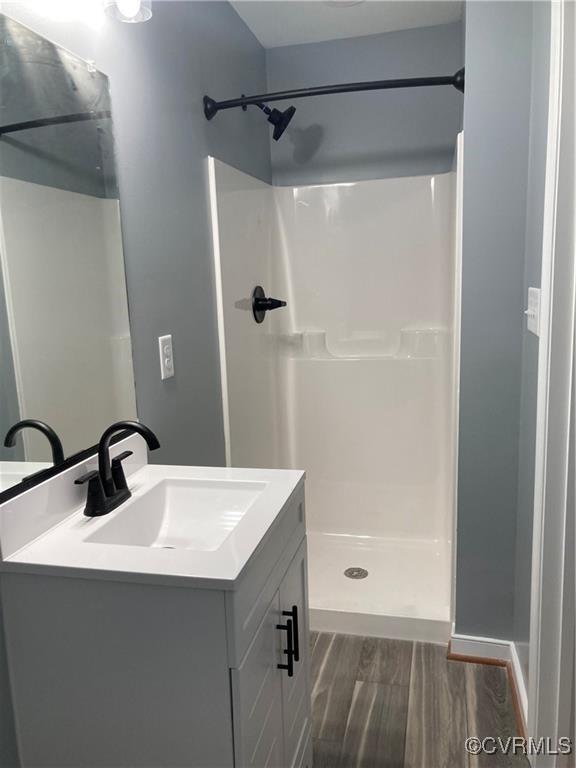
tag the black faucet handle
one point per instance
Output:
(96, 498)
(86, 478)
(118, 471)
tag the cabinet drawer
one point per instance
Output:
(271, 686)
(296, 690)
(257, 699)
(248, 603)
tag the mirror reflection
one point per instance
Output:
(65, 348)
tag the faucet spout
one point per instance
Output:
(104, 466)
(41, 426)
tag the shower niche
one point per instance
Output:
(353, 381)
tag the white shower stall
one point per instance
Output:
(354, 381)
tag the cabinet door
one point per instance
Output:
(257, 698)
(296, 690)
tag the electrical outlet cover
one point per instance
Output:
(166, 357)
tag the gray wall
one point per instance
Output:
(496, 133)
(368, 135)
(158, 73)
(532, 273)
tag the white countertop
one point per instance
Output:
(64, 551)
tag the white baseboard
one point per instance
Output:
(520, 681)
(481, 647)
(500, 650)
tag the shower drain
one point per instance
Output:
(356, 573)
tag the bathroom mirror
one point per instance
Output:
(65, 348)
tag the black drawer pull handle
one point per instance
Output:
(296, 643)
(289, 652)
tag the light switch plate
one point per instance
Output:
(166, 356)
(533, 311)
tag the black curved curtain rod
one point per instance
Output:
(78, 117)
(212, 107)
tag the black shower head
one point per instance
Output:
(278, 119)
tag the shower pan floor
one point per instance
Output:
(405, 595)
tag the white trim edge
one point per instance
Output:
(520, 681)
(213, 202)
(542, 408)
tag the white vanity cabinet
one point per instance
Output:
(111, 669)
(271, 705)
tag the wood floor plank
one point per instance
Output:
(437, 723)
(362, 715)
(325, 754)
(385, 661)
(376, 728)
(318, 654)
(313, 637)
(334, 668)
(491, 713)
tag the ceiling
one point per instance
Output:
(289, 22)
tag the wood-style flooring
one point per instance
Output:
(397, 704)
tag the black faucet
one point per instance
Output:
(107, 487)
(53, 439)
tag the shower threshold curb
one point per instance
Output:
(375, 625)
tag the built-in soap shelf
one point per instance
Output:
(412, 343)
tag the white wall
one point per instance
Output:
(370, 266)
(66, 295)
(242, 217)
(369, 259)
(353, 380)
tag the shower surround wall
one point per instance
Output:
(352, 381)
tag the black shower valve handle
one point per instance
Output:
(262, 304)
(265, 305)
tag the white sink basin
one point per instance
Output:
(181, 514)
